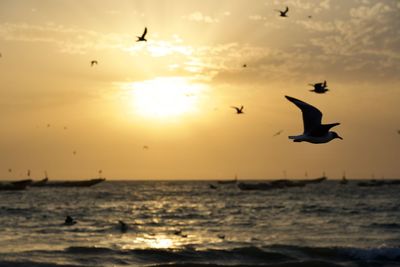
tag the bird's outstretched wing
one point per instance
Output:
(286, 10)
(145, 32)
(237, 109)
(311, 115)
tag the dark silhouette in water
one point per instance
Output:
(93, 62)
(123, 227)
(238, 110)
(69, 220)
(283, 13)
(314, 131)
(320, 88)
(142, 38)
(212, 186)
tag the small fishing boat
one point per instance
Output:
(15, 185)
(234, 181)
(82, 183)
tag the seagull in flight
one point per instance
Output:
(283, 13)
(244, 66)
(238, 110)
(93, 62)
(142, 38)
(314, 131)
(278, 133)
(319, 88)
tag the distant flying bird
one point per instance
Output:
(65, 127)
(48, 125)
(238, 110)
(93, 62)
(319, 88)
(283, 13)
(244, 66)
(310, 17)
(314, 131)
(278, 133)
(9, 170)
(142, 38)
(74, 152)
(398, 131)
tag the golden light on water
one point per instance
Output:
(164, 97)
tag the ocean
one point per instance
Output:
(187, 223)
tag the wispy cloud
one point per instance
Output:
(200, 17)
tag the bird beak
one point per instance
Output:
(340, 138)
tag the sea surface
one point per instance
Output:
(190, 224)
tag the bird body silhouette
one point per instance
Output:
(320, 88)
(142, 38)
(283, 13)
(238, 110)
(314, 131)
(93, 62)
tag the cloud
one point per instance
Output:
(200, 17)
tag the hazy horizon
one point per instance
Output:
(161, 109)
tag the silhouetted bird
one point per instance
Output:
(145, 147)
(244, 66)
(221, 236)
(178, 232)
(123, 227)
(319, 88)
(69, 220)
(398, 131)
(74, 152)
(93, 62)
(48, 125)
(238, 110)
(142, 38)
(314, 131)
(65, 127)
(310, 17)
(212, 186)
(283, 13)
(9, 170)
(278, 133)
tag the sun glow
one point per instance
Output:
(164, 97)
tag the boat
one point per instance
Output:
(234, 181)
(344, 180)
(82, 183)
(40, 182)
(275, 184)
(15, 185)
(371, 183)
(314, 181)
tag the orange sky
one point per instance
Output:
(174, 93)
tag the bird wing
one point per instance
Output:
(311, 115)
(286, 10)
(145, 32)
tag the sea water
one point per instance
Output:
(188, 223)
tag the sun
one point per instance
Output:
(164, 97)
